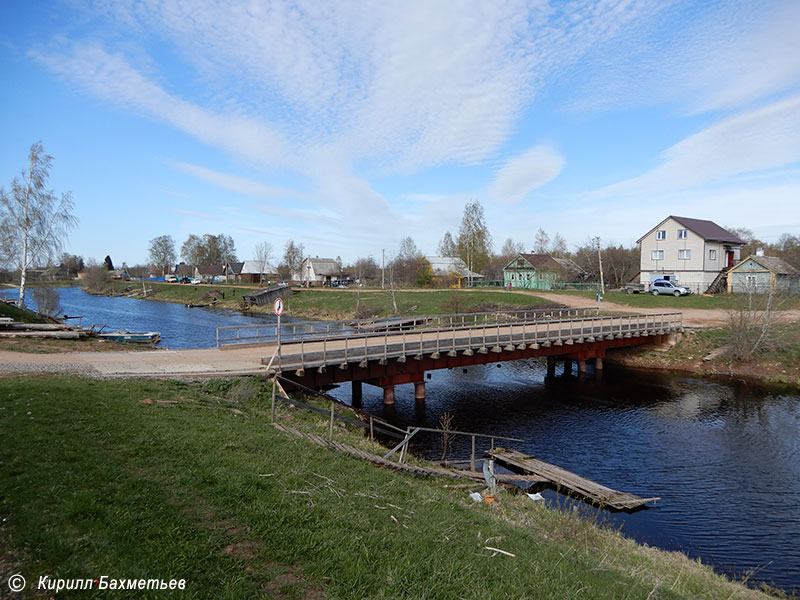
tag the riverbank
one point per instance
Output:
(704, 353)
(186, 481)
(333, 304)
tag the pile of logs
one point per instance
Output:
(9, 328)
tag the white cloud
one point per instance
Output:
(701, 56)
(765, 138)
(234, 183)
(111, 78)
(524, 173)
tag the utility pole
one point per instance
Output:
(383, 268)
(600, 261)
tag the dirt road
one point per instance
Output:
(693, 317)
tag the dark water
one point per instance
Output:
(724, 458)
(180, 327)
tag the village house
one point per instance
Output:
(318, 271)
(209, 273)
(449, 271)
(251, 271)
(693, 252)
(535, 272)
(761, 274)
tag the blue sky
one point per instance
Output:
(348, 126)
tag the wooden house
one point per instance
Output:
(763, 274)
(534, 272)
(449, 271)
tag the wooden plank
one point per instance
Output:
(587, 488)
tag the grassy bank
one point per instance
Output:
(703, 352)
(143, 479)
(337, 304)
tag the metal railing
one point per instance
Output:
(267, 333)
(453, 337)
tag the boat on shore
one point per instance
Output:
(149, 337)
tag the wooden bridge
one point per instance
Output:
(396, 351)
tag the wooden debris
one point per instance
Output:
(586, 488)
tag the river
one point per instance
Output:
(724, 457)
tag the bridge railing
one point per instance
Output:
(310, 330)
(305, 353)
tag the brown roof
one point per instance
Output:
(772, 263)
(540, 262)
(708, 230)
(210, 269)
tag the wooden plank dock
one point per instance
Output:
(590, 490)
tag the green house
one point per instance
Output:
(533, 272)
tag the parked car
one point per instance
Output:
(170, 279)
(662, 286)
(185, 280)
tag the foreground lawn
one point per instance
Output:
(151, 479)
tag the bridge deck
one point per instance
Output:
(360, 348)
(590, 490)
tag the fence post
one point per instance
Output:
(472, 456)
(330, 425)
(274, 385)
(371, 435)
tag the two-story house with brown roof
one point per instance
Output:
(693, 252)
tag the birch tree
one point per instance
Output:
(34, 220)
(474, 243)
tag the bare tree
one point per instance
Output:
(510, 249)
(558, 247)
(541, 243)
(209, 249)
(474, 243)
(264, 258)
(447, 247)
(47, 301)
(292, 259)
(162, 253)
(34, 222)
(751, 325)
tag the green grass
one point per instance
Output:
(423, 302)
(152, 479)
(20, 315)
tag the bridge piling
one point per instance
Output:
(388, 394)
(356, 393)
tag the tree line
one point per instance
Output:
(35, 222)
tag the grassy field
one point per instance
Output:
(152, 479)
(423, 302)
(342, 304)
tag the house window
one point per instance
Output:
(512, 277)
(682, 234)
(520, 263)
(685, 254)
(661, 234)
(657, 255)
(712, 254)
